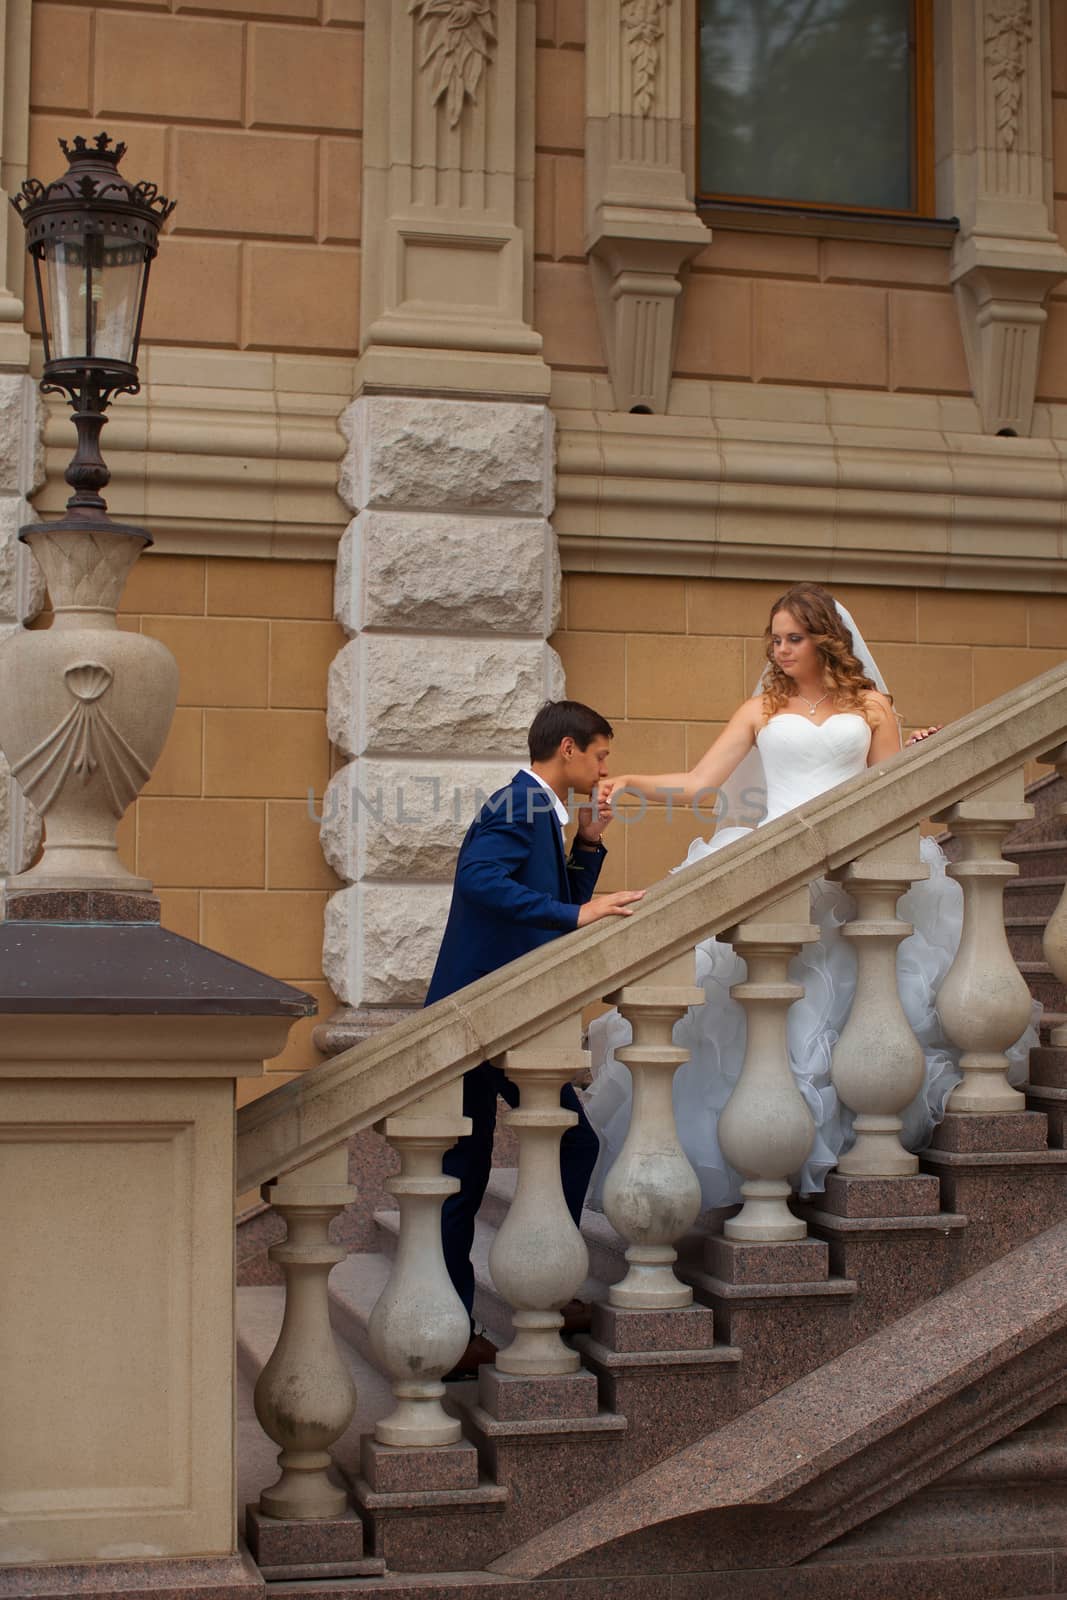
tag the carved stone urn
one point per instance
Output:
(85, 709)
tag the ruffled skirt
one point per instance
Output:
(714, 1034)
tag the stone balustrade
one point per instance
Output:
(651, 1195)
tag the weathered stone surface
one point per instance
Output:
(380, 942)
(393, 819)
(433, 694)
(480, 455)
(21, 454)
(453, 574)
(22, 588)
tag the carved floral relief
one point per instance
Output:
(457, 37)
(643, 23)
(1008, 30)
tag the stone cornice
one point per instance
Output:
(221, 453)
(836, 501)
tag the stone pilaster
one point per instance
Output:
(641, 226)
(448, 586)
(448, 174)
(994, 172)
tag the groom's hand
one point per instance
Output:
(619, 904)
(594, 818)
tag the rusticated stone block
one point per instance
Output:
(479, 455)
(399, 935)
(447, 574)
(404, 819)
(1004, 1131)
(510, 1398)
(416, 696)
(918, 1196)
(390, 1469)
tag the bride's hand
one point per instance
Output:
(924, 733)
(610, 786)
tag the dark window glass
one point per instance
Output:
(808, 100)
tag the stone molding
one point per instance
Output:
(994, 171)
(448, 173)
(448, 585)
(641, 226)
(221, 453)
(839, 486)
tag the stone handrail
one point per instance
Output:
(306, 1118)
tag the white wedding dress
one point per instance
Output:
(801, 759)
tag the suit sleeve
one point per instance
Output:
(495, 851)
(583, 870)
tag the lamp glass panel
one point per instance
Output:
(93, 294)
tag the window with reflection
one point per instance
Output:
(822, 103)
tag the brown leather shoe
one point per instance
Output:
(479, 1352)
(577, 1317)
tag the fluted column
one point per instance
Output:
(539, 1259)
(1054, 939)
(984, 1003)
(766, 1130)
(305, 1397)
(878, 1062)
(419, 1327)
(652, 1194)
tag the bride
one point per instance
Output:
(820, 714)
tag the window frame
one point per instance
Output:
(921, 50)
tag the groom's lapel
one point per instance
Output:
(548, 819)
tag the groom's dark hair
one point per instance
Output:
(565, 719)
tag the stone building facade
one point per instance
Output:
(452, 394)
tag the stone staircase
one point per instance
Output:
(923, 1321)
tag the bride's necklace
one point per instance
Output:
(813, 705)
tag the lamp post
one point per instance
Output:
(85, 708)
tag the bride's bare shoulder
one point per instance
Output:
(878, 705)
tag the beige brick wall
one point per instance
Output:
(222, 827)
(249, 112)
(668, 659)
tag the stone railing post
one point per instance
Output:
(538, 1259)
(766, 1130)
(984, 1003)
(878, 1062)
(1054, 939)
(305, 1397)
(652, 1194)
(419, 1327)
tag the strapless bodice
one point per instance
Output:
(802, 759)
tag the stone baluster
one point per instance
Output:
(1054, 938)
(878, 1062)
(419, 1327)
(305, 1397)
(652, 1194)
(984, 1003)
(538, 1259)
(766, 1129)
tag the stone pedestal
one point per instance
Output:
(119, 1050)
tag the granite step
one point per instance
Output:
(1042, 858)
(1044, 985)
(1025, 934)
(1037, 896)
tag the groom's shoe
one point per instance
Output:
(577, 1317)
(480, 1352)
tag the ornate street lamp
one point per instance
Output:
(84, 706)
(92, 236)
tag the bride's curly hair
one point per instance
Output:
(843, 675)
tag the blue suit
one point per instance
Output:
(514, 890)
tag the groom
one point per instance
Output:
(516, 889)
